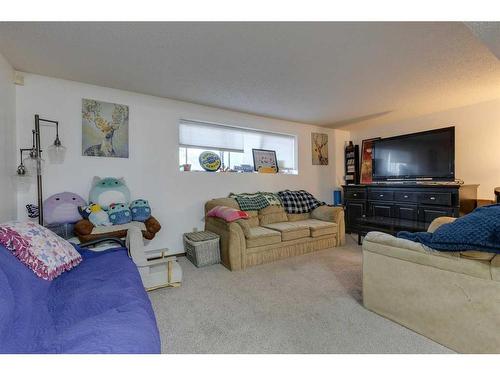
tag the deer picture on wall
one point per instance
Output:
(319, 146)
(104, 129)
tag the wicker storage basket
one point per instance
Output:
(202, 248)
(62, 230)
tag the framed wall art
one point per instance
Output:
(319, 147)
(104, 129)
(367, 160)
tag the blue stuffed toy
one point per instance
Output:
(140, 210)
(119, 213)
(109, 190)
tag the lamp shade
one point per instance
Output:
(33, 164)
(22, 183)
(57, 153)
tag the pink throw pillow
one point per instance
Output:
(227, 213)
(41, 250)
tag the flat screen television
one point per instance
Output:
(428, 155)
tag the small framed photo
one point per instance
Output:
(264, 161)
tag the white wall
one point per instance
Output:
(477, 140)
(177, 198)
(7, 141)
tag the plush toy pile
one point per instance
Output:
(109, 205)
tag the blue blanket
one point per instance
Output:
(479, 230)
(98, 307)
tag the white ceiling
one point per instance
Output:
(488, 33)
(331, 74)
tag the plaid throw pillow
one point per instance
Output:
(250, 202)
(298, 202)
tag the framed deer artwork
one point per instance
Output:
(319, 147)
(104, 129)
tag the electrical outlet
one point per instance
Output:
(195, 229)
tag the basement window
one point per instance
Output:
(233, 145)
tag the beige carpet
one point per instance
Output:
(306, 304)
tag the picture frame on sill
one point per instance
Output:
(264, 161)
(367, 160)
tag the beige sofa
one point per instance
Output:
(451, 298)
(271, 234)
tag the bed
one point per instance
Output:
(98, 307)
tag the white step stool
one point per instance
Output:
(156, 269)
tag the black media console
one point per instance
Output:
(392, 207)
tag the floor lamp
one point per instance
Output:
(33, 163)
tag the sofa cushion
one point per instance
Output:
(253, 219)
(260, 236)
(437, 222)
(245, 226)
(290, 231)
(319, 228)
(298, 217)
(495, 268)
(385, 244)
(271, 210)
(272, 214)
(477, 255)
(326, 213)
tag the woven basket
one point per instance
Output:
(62, 230)
(202, 248)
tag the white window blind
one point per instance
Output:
(210, 136)
(202, 135)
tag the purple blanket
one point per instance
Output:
(98, 307)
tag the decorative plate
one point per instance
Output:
(210, 161)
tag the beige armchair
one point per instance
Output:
(451, 297)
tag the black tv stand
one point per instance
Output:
(388, 225)
(404, 206)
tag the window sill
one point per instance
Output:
(289, 173)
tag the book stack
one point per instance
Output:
(351, 164)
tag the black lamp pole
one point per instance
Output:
(38, 169)
(38, 154)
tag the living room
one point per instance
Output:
(187, 187)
